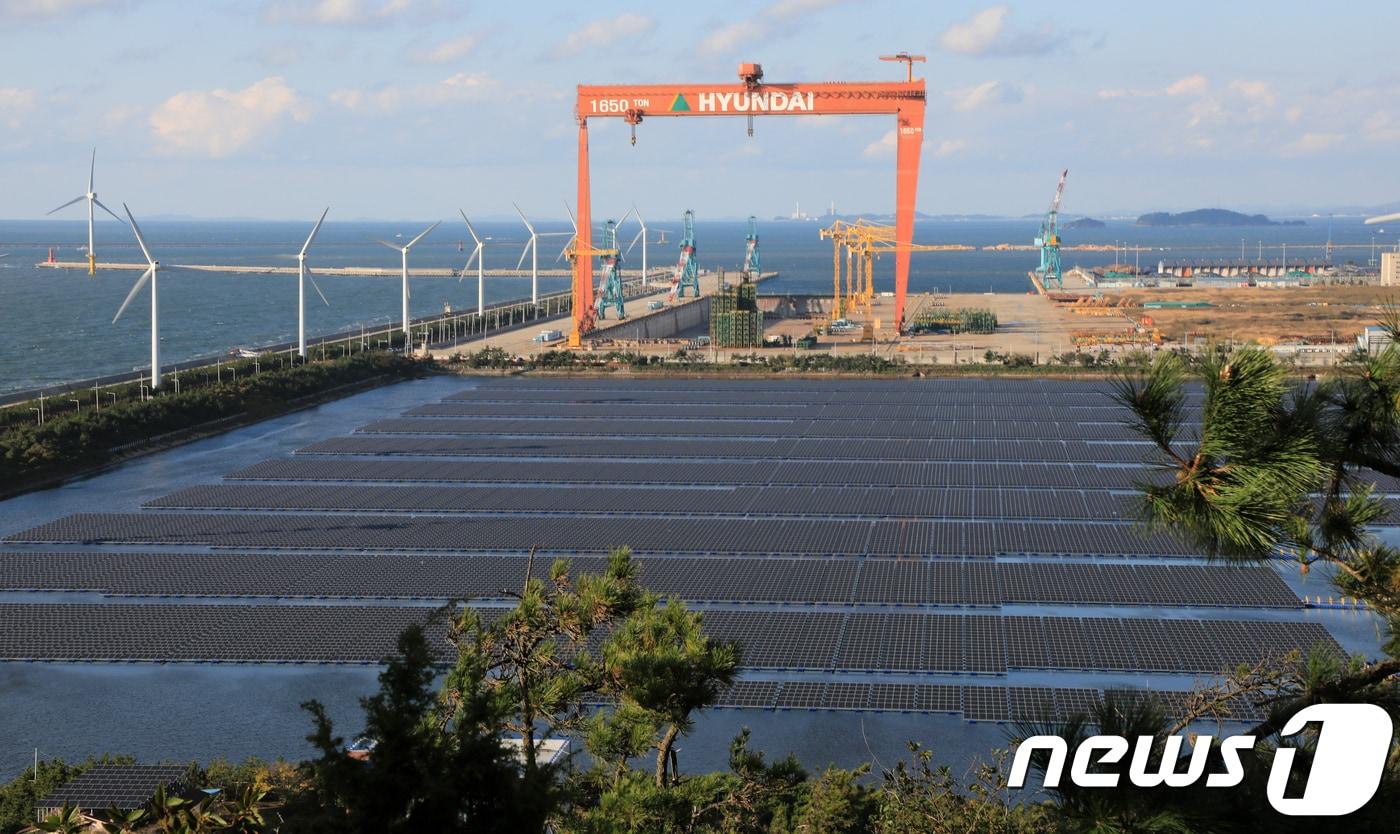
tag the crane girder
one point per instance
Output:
(751, 97)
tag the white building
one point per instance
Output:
(1390, 269)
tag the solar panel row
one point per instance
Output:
(728, 580)
(976, 703)
(584, 534)
(760, 409)
(789, 640)
(804, 449)
(688, 472)
(824, 501)
(970, 429)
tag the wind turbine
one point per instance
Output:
(478, 255)
(532, 246)
(91, 197)
(403, 250)
(642, 236)
(148, 275)
(302, 274)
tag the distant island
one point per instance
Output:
(1210, 217)
(1085, 223)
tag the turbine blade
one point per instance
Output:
(565, 250)
(104, 208)
(392, 246)
(139, 239)
(522, 219)
(69, 203)
(1370, 221)
(92, 170)
(640, 221)
(640, 232)
(572, 220)
(135, 288)
(422, 235)
(316, 287)
(470, 228)
(314, 230)
(524, 250)
(624, 218)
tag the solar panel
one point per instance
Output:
(122, 786)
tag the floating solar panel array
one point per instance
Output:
(731, 580)
(834, 529)
(787, 640)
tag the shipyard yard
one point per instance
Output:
(886, 547)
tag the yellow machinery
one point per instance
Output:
(863, 242)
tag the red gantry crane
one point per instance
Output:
(749, 98)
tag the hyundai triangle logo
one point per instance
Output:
(679, 104)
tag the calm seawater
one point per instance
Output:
(58, 323)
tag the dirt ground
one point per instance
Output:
(1317, 315)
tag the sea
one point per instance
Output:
(58, 327)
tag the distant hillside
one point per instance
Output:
(1085, 223)
(1205, 217)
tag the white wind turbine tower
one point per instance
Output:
(91, 197)
(478, 255)
(148, 275)
(532, 246)
(302, 274)
(403, 250)
(642, 236)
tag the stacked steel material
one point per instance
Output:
(735, 320)
(963, 320)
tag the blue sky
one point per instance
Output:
(413, 108)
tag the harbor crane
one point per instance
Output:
(1049, 242)
(751, 96)
(688, 266)
(750, 268)
(863, 242)
(610, 291)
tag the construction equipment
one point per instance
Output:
(610, 291)
(750, 268)
(863, 242)
(1049, 242)
(751, 96)
(687, 267)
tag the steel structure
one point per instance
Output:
(687, 266)
(863, 242)
(751, 267)
(1049, 241)
(610, 290)
(750, 97)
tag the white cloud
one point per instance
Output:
(1310, 143)
(988, 92)
(731, 36)
(988, 33)
(948, 147)
(347, 12)
(976, 35)
(606, 32)
(15, 105)
(445, 52)
(218, 123)
(50, 8)
(886, 145)
(1191, 85)
(455, 88)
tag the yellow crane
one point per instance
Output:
(863, 242)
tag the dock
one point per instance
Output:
(350, 271)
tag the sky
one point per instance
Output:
(408, 109)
